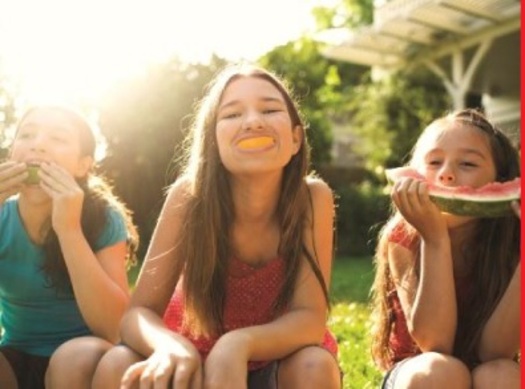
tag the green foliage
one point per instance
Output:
(361, 211)
(347, 13)
(350, 321)
(7, 111)
(389, 115)
(317, 84)
(144, 121)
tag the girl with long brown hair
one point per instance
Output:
(447, 290)
(64, 242)
(233, 290)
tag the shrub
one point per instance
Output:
(361, 211)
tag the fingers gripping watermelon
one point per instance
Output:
(491, 200)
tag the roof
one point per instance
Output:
(409, 30)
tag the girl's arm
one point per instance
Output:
(169, 356)
(427, 296)
(501, 335)
(99, 281)
(157, 280)
(305, 321)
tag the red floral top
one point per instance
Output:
(250, 294)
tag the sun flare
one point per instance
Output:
(73, 50)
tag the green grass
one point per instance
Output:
(349, 321)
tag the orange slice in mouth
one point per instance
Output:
(255, 143)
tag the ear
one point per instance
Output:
(84, 165)
(297, 138)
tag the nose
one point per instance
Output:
(39, 142)
(446, 176)
(252, 120)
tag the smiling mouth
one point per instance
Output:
(255, 143)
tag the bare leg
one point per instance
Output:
(433, 371)
(112, 367)
(309, 367)
(73, 364)
(499, 373)
(7, 376)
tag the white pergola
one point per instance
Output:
(413, 32)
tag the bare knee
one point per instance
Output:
(310, 367)
(499, 373)
(113, 365)
(433, 370)
(74, 362)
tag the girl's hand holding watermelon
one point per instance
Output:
(412, 200)
(12, 176)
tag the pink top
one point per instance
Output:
(401, 343)
(250, 294)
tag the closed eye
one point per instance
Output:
(230, 115)
(434, 162)
(23, 135)
(272, 110)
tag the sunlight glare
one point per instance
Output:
(74, 49)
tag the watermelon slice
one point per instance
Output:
(491, 200)
(33, 178)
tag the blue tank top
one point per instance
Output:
(35, 317)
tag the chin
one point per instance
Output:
(35, 194)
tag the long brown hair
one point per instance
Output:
(97, 199)
(210, 211)
(493, 248)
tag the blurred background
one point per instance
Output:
(368, 75)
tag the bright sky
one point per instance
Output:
(77, 47)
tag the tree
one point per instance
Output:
(388, 115)
(346, 13)
(7, 111)
(144, 121)
(318, 85)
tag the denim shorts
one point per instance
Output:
(265, 377)
(389, 380)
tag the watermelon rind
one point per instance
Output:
(33, 178)
(476, 203)
(460, 207)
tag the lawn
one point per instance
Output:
(349, 321)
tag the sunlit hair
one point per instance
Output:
(97, 199)
(492, 249)
(205, 242)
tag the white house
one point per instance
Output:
(472, 45)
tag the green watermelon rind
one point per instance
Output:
(473, 208)
(471, 204)
(33, 178)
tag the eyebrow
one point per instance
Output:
(266, 99)
(465, 150)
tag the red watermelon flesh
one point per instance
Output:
(490, 200)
